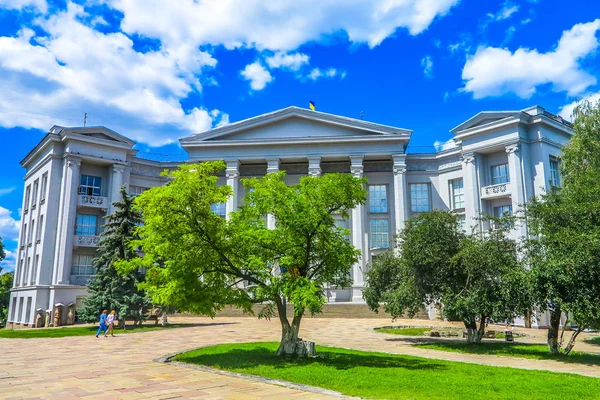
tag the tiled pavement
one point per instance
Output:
(123, 367)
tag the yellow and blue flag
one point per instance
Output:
(311, 104)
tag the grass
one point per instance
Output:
(595, 340)
(393, 376)
(74, 331)
(404, 331)
(523, 350)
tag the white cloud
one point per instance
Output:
(83, 70)
(427, 64)
(508, 9)
(24, 4)
(441, 146)
(494, 71)
(317, 73)
(257, 75)
(566, 111)
(8, 190)
(9, 227)
(9, 263)
(290, 61)
(526, 21)
(280, 25)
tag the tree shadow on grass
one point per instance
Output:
(262, 356)
(526, 350)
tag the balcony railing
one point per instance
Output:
(87, 241)
(495, 191)
(92, 201)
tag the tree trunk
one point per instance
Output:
(528, 315)
(291, 344)
(472, 332)
(571, 343)
(553, 331)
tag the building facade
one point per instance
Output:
(496, 162)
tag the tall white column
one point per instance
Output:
(232, 173)
(400, 202)
(272, 168)
(472, 191)
(117, 181)
(517, 192)
(358, 235)
(314, 166)
(67, 217)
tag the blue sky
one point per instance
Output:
(155, 72)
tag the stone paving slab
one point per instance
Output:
(123, 367)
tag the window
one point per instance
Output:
(500, 174)
(87, 225)
(30, 239)
(500, 211)
(38, 235)
(90, 185)
(35, 270)
(27, 198)
(219, 209)
(379, 234)
(23, 234)
(27, 269)
(462, 222)
(554, 174)
(136, 190)
(343, 224)
(44, 186)
(419, 197)
(19, 273)
(36, 183)
(83, 265)
(378, 199)
(458, 193)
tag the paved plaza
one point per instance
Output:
(124, 367)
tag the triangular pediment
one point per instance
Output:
(485, 118)
(294, 123)
(100, 133)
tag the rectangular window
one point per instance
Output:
(27, 269)
(419, 197)
(27, 198)
(554, 172)
(136, 190)
(500, 174)
(379, 234)
(87, 225)
(462, 222)
(378, 199)
(36, 183)
(23, 234)
(343, 224)
(19, 273)
(35, 270)
(500, 211)
(219, 209)
(458, 194)
(44, 187)
(83, 265)
(38, 235)
(31, 230)
(90, 185)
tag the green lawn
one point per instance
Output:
(594, 340)
(387, 376)
(404, 331)
(74, 331)
(535, 351)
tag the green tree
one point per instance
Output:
(108, 289)
(564, 250)
(198, 261)
(6, 283)
(476, 277)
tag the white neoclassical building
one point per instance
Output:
(499, 159)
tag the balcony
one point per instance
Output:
(87, 241)
(85, 200)
(495, 191)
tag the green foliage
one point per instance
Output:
(2, 253)
(404, 331)
(6, 283)
(108, 289)
(75, 331)
(393, 376)
(196, 260)
(476, 277)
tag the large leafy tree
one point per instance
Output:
(108, 289)
(6, 282)
(199, 262)
(564, 251)
(475, 278)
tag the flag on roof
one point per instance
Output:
(311, 104)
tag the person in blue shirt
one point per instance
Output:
(103, 327)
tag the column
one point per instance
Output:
(472, 190)
(400, 203)
(232, 173)
(117, 182)
(272, 168)
(517, 193)
(314, 166)
(67, 217)
(358, 235)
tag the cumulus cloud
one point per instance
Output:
(9, 263)
(281, 25)
(9, 227)
(290, 61)
(317, 73)
(257, 75)
(427, 64)
(566, 111)
(494, 71)
(39, 5)
(447, 145)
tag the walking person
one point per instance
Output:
(110, 321)
(102, 327)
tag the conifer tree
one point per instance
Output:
(108, 289)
